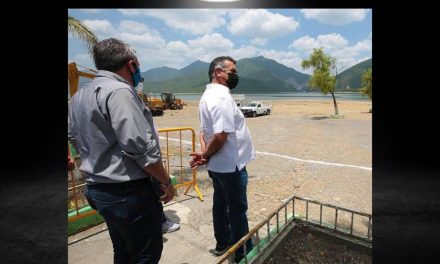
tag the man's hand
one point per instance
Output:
(70, 163)
(198, 160)
(168, 192)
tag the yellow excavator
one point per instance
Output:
(170, 101)
(154, 104)
(74, 75)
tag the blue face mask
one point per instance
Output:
(136, 77)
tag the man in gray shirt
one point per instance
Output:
(115, 136)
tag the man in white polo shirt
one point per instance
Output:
(226, 149)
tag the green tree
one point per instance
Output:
(81, 31)
(322, 77)
(367, 80)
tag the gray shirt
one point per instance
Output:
(113, 130)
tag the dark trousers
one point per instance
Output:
(230, 208)
(133, 214)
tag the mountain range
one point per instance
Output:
(256, 75)
(350, 79)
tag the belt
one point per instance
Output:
(122, 185)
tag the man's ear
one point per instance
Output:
(132, 66)
(217, 71)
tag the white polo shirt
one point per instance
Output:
(218, 112)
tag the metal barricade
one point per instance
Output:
(175, 156)
(278, 226)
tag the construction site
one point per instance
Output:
(309, 194)
(156, 104)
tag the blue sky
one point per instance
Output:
(177, 37)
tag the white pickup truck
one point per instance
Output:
(255, 108)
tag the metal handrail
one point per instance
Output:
(228, 255)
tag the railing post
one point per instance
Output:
(268, 231)
(293, 207)
(369, 227)
(320, 214)
(258, 241)
(307, 210)
(351, 227)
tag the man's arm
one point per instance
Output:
(214, 145)
(158, 171)
(222, 113)
(135, 136)
(202, 141)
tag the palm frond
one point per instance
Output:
(81, 31)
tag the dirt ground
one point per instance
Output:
(302, 245)
(300, 150)
(303, 130)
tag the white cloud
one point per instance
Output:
(245, 52)
(193, 21)
(149, 45)
(336, 46)
(139, 35)
(259, 41)
(84, 60)
(288, 58)
(134, 27)
(214, 41)
(178, 54)
(363, 47)
(332, 41)
(90, 11)
(144, 41)
(207, 47)
(328, 42)
(131, 12)
(177, 47)
(260, 23)
(154, 51)
(102, 28)
(304, 44)
(336, 17)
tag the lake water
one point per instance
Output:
(284, 96)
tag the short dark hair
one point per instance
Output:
(112, 54)
(218, 62)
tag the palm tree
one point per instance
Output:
(81, 31)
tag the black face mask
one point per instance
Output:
(232, 80)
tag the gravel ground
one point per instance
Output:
(303, 130)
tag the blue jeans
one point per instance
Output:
(133, 214)
(230, 208)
